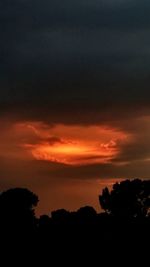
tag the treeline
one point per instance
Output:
(125, 219)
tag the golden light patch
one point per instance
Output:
(74, 145)
(71, 154)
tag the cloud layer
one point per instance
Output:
(74, 61)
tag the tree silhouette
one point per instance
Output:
(86, 214)
(17, 208)
(127, 199)
(60, 215)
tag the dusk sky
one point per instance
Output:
(74, 97)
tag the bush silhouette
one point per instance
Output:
(60, 216)
(86, 214)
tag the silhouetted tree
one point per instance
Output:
(60, 215)
(44, 224)
(17, 208)
(86, 213)
(44, 220)
(127, 199)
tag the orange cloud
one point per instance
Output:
(74, 145)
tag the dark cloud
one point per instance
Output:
(138, 148)
(74, 61)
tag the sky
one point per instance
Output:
(74, 97)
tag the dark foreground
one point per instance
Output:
(119, 236)
(93, 243)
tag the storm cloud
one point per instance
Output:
(59, 58)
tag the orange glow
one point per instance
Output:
(74, 145)
(66, 149)
(71, 154)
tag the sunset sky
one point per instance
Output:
(74, 97)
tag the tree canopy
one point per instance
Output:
(130, 198)
(17, 208)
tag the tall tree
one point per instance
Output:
(130, 198)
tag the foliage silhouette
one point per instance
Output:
(86, 214)
(60, 216)
(17, 209)
(130, 199)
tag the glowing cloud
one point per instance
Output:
(74, 145)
